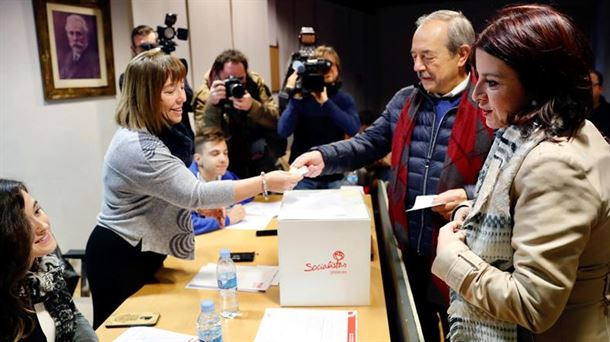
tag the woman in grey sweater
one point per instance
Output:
(148, 191)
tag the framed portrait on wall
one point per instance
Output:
(75, 48)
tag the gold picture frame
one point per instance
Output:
(75, 48)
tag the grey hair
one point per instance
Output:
(77, 18)
(459, 30)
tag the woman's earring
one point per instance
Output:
(534, 103)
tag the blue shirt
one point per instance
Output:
(202, 224)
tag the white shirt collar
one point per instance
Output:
(458, 88)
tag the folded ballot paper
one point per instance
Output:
(306, 325)
(249, 278)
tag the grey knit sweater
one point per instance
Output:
(149, 194)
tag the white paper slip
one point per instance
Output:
(146, 334)
(251, 222)
(271, 208)
(299, 171)
(279, 325)
(249, 278)
(423, 202)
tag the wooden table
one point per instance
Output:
(179, 306)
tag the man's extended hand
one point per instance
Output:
(314, 162)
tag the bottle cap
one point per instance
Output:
(207, 305)
(225, 253)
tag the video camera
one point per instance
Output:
(167, 33)
(307, 45)
(311, 75)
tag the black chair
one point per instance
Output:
(70, 274)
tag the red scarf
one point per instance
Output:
(469, 143)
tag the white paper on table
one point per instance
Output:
(423, 202)
(260, 208)
(279, 325)
(251, 222)
(258, 215)
(249, 278)
(145, 334)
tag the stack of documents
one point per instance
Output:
(249, 278)
(305, 325)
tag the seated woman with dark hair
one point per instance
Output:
(36, 304)
(529, 259)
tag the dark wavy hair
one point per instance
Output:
(229, 55)
(552, 59)
(16, 320)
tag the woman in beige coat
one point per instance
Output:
(529, 259)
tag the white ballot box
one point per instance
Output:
(324, 248)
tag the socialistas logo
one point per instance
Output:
(336, 266)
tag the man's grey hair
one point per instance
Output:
(459, 29)
(77, 18)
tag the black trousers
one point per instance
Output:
(116, 270)
(419, 271)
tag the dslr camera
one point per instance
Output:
(234, 88)
(167, 33)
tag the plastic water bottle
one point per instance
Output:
(227, 283)
(209, 326)
(352, 178)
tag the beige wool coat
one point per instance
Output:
(560, 286)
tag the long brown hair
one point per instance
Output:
(552, 58)
(145, 76)
(16, 238)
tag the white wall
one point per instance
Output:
(217, 25)
(210, 27)
(55, 147)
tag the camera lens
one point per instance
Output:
(234, 87)
(237, 90)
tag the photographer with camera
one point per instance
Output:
(307, 45)
(179, 138)
(318, 112)
(238, 102)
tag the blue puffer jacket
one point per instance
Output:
(428, 151)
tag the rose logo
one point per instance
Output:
(338, 255)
